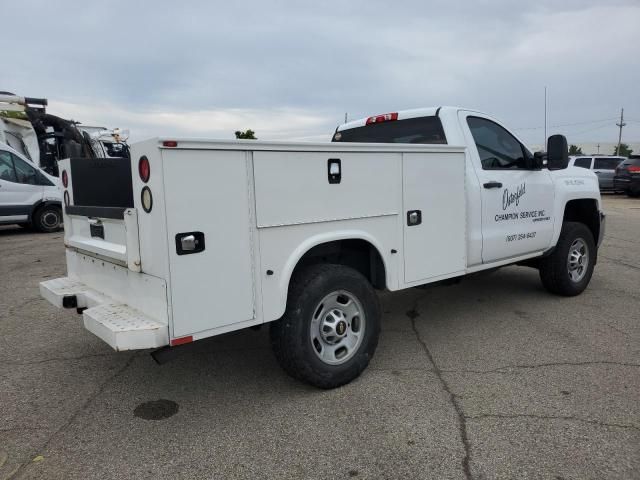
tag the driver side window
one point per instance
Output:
(25, 172)
(498, 149)
(7, 172)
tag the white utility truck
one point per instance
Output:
(194, 238)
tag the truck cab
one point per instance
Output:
(514, 206)
(191, 238)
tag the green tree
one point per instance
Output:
(247, 134)
(625, 151)
(575, 150)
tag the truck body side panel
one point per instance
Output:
(282, 247)
(434, 186)
(208, 191)
(293, 187)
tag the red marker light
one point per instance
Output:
(385, 117)
(65, 179)
(144, 169)
(633, 169)
(181, 341)
(170, 143)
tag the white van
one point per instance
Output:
(28, 195)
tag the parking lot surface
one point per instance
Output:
(490, 378)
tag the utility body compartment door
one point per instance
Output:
(434, 215)
(207, 191)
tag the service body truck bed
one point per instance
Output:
(193, 238)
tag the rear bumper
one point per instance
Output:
(627, 183)
(119, 325)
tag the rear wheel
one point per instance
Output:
(48, 218)
(567, 271)
(330, 329)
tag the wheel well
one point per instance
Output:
(355, 253)
(585, 211)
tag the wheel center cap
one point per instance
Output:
(341, 327)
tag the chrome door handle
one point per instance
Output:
(188, 243)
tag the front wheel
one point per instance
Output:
(48, 219)
(567, 271)
(330, 329)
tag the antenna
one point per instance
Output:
(545, 116)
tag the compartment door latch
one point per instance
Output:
(189, 242)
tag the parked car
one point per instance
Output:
(603, 167)
(627, 177)
(28, 195)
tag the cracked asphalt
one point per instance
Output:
(490, 378)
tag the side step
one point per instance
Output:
(122, 327)
(125, 328)
(65, 292)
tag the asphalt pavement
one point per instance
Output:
(490, 378)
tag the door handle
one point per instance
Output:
(414, 217)
(492, 184)
(597, 172)
(189, 242)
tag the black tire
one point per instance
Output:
(48, 219)
(291, 335)
(633, 193)
(554, 269)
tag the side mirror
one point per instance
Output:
(557, 152)
(539, 160)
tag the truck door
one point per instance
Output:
(605, 169)
(517, 200)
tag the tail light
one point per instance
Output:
(634, 169)
(385, 117)
(66, 198)
(65, 179)
(147, 199)
(144, 169)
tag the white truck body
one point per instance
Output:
(256, 209)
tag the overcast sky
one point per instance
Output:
(292, 69)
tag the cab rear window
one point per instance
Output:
(427, 130)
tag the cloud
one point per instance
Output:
(291, 69)
(271, 124)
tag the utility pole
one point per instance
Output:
(598, 149)
(345, 117)
(621, 124)
(545, 116)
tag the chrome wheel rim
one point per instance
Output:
(337, 327)
(578, 260)
(50, 220)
